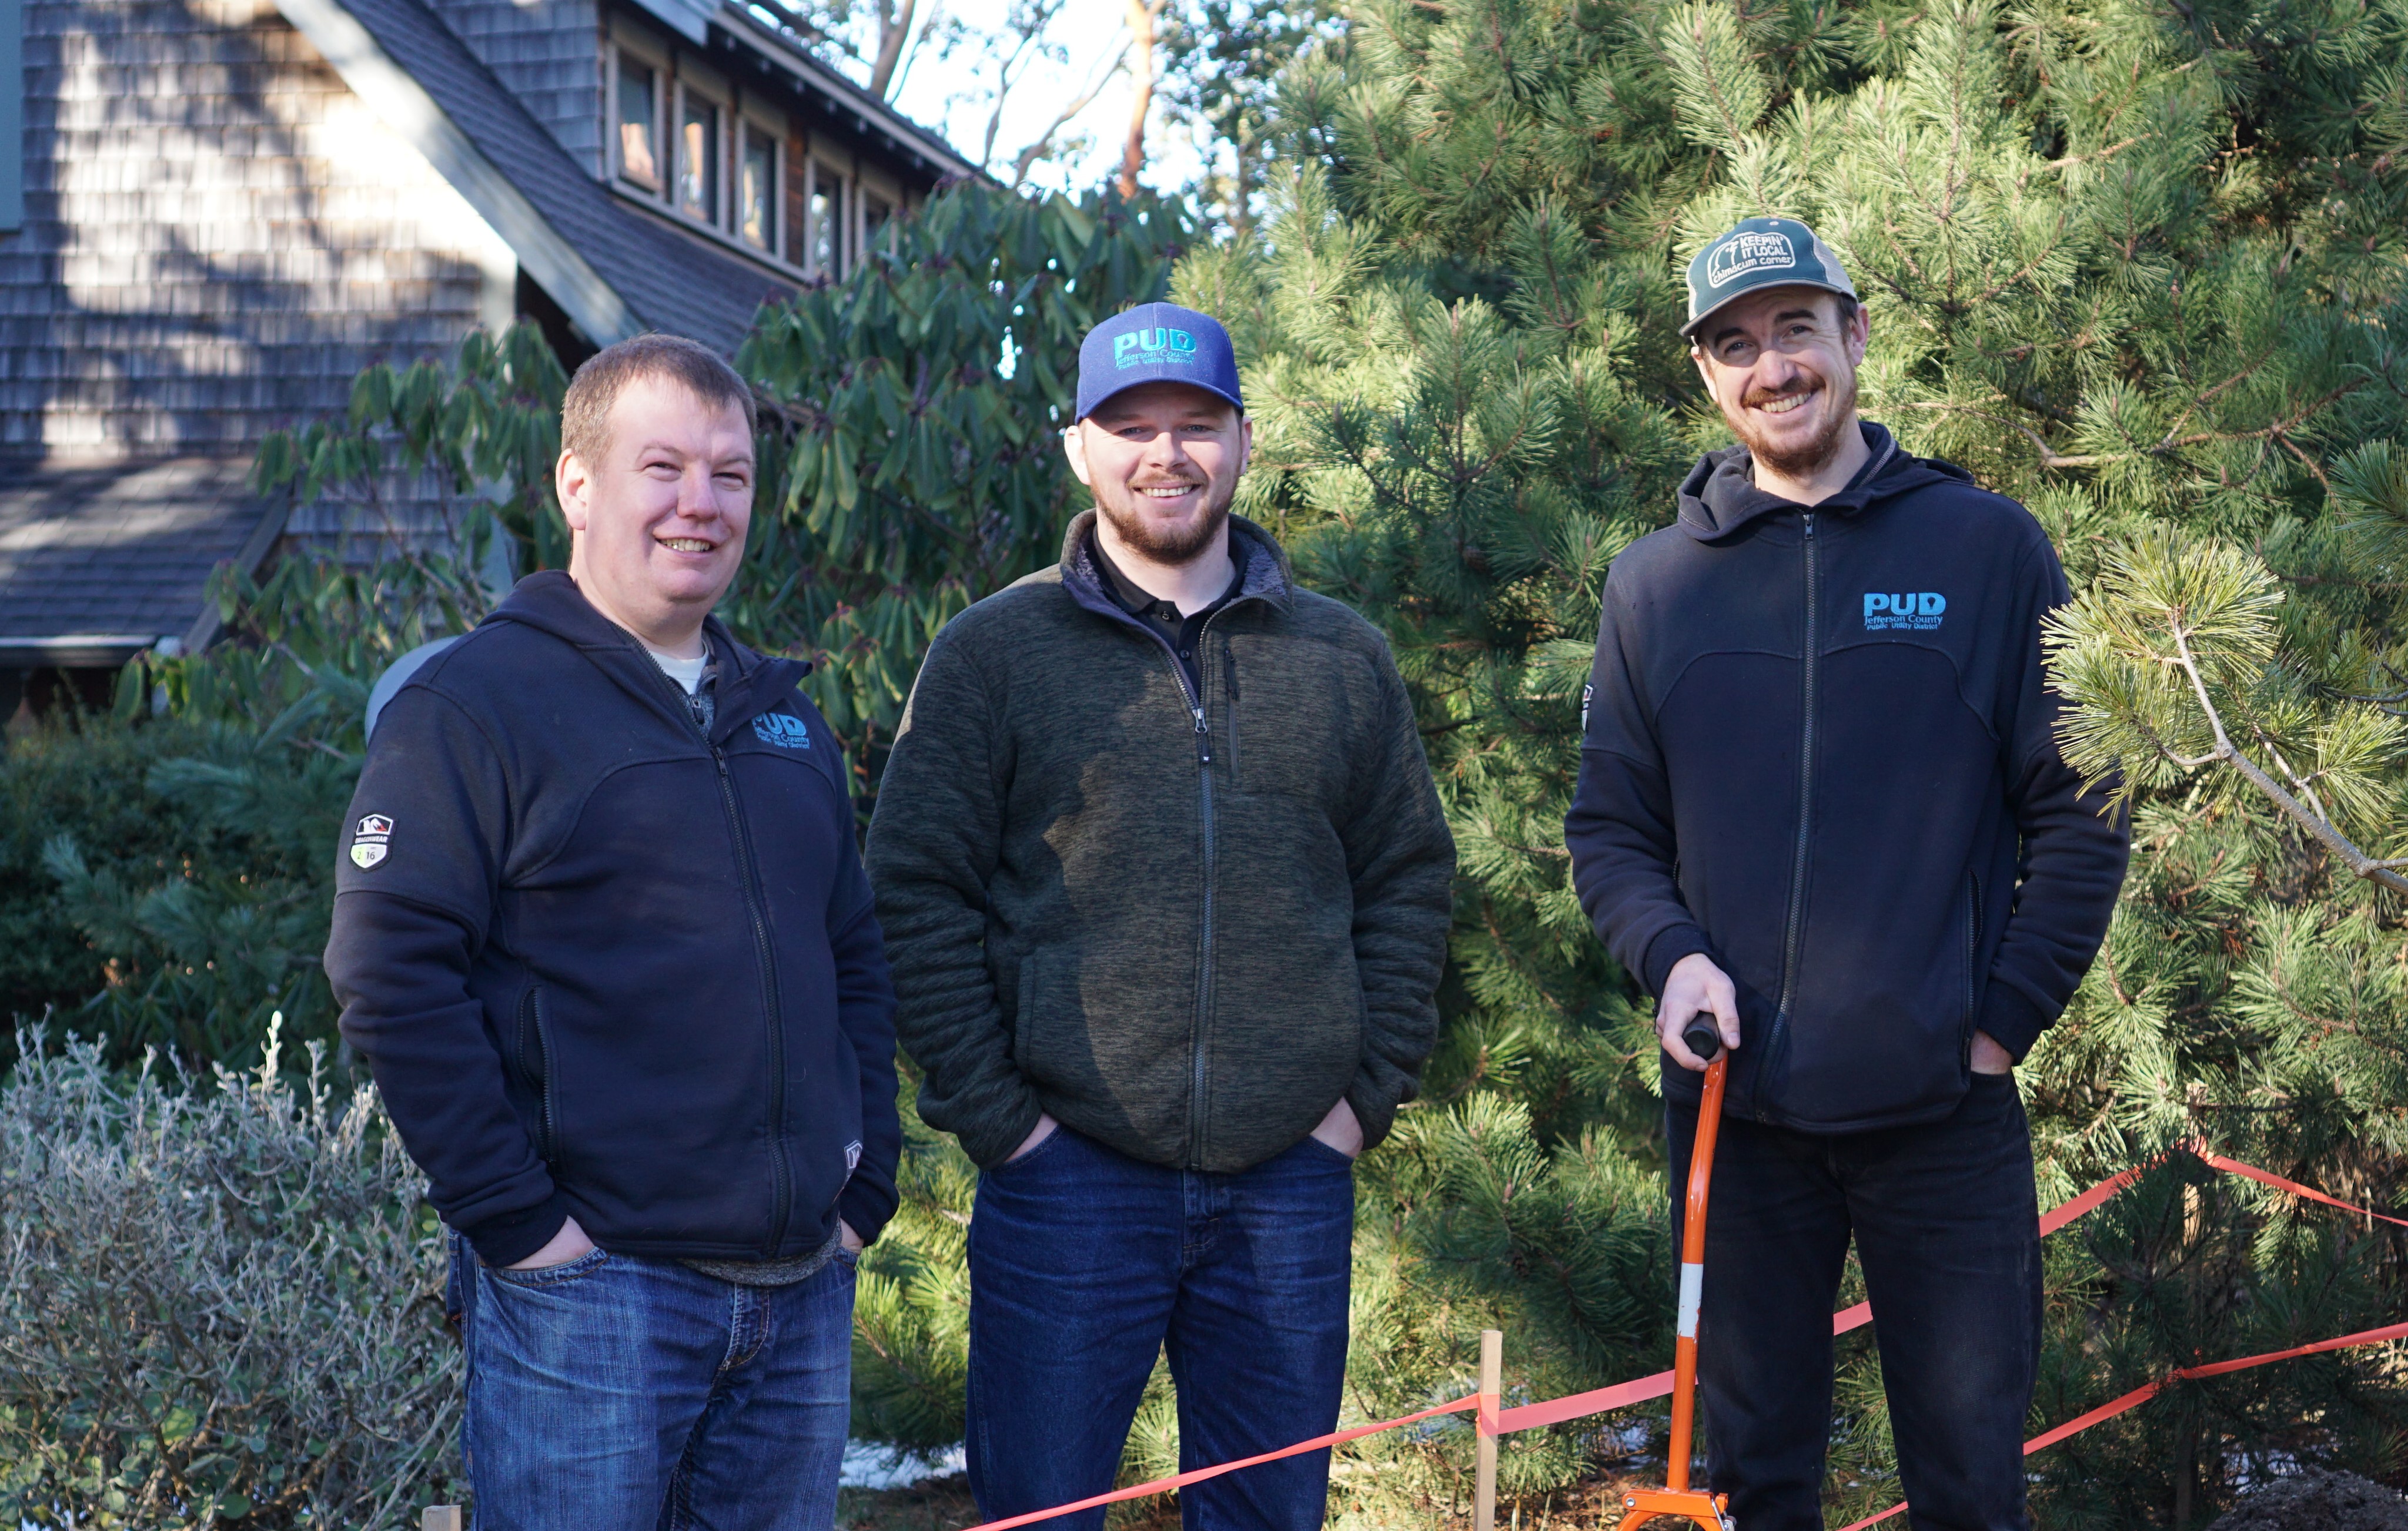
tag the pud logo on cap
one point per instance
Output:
(1737, 256)
(1159, 344)
(375, 836)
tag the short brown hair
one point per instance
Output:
(585, 411)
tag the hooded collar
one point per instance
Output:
(1266, 576)
(1719, 497)
(749, 683)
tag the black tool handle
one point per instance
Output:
(1702, 1039)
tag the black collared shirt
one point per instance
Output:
(1182, 632)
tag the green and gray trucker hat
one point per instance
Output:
(1760, 252)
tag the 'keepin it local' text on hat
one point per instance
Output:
(1760, 252)
(1156, 342)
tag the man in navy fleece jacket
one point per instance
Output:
(603, 933)
(1822, 801)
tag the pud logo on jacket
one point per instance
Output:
(785, 731)
(1919, 610)
(374, 836)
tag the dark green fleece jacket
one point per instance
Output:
(1185, 924)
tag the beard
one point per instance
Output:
(1174, 545)
(1798, 460)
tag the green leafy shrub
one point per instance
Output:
(221, 1301)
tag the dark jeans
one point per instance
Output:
(613, 1394)
(1085, 1263)
(1947, 1231)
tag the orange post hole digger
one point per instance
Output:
(1708, 1512)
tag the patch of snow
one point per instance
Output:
(871, 1466)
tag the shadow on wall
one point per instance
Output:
(218, 236)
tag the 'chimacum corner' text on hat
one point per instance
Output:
(1760, 252)
(1156, 342)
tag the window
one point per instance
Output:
(876, 213)
(697, 158)
(639, 121)
(827, 223)
(757, 191)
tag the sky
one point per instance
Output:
(954, 94)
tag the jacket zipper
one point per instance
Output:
(781, 1173)
(540, 1073)
(1204, 963)
(1797, 925)
(1972, 949)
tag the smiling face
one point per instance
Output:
(1163, 460)
(658, 522)
(1782, 364)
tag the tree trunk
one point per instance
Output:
(894, 30)
(1241, 215)
(1141, 20)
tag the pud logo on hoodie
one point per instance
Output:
(778, 728)
(1919, 610)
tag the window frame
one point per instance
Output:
(664, 84)
(751, 127)
(823, 172)
(715, 159)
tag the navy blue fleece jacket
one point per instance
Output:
(1819, 748)
(605, 964)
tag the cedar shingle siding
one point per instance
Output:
(218, 236)
(231, 207)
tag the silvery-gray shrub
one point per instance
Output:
(220, 1301)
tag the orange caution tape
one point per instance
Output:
(2140, 1396)
(1164, 1485)
(1490, 1420)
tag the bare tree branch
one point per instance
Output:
(1043, 143)
(2318, 826)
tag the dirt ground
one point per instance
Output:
(2315, 1500)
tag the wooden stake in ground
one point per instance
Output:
(441, 1518)
(1483, 1483)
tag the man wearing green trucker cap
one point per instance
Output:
(1821, 801)
(1167, 888)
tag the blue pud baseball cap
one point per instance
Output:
(1760, 252)
(1156, 342)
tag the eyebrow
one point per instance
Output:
(1723, 335)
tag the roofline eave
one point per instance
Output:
(404, 105)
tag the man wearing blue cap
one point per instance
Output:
(1166, 885)
(1821, 801)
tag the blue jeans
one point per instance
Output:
(613, 1394)
(1085, 1264)
(1946, 1228)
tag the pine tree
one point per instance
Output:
(2139, 268)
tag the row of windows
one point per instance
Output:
(675, 141)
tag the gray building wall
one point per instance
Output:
(549, 54)
(218, 236)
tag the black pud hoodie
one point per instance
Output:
(1819, 749)
(605, 965)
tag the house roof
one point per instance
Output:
(102, 562)
(616, 271)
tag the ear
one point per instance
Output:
(1859, 331)
(1074, 447)
(1705, 370)
(1245, 443)
(573, 484)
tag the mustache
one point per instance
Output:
(1755, 398)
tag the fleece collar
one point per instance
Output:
(749, 683)
(1720, 496)
(1266, 576)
